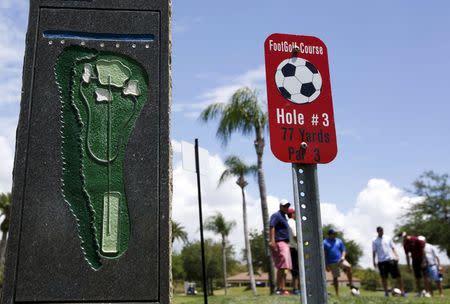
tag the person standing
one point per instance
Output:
(433, 268)
(415, 250)
(383, 250)
(294, 251)
(279, 244)
(335, 259)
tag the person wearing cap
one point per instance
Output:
(384, 250)
(415, 250)
(433, 268)
(294, 251)
(279, 244)
(335, 260)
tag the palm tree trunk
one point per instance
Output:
(224, 263)
(259, 147)
(247, 245)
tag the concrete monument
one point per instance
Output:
(91, 188)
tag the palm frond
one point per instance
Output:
(253, 170)
(237, 168)
(179, 233)
(242, 113)
(224, 176)
(218, 224)
(5, 201)
(212, 111)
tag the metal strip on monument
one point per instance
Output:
(91, 184)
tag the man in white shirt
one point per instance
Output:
(383, 248)
(433, 267)
(294, 251)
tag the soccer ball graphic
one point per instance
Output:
(298, 80)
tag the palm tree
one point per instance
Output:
(178, 232)
(219, 225)
(235, 167)
(5, 210)
(243, 113)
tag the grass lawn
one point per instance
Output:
(239, 295)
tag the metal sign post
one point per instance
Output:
(298, 227)
(309, 234)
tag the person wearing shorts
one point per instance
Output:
(433, 268)
(415, 250)
(383, 250)
(294, 251)
(335, 259)
(279, 244)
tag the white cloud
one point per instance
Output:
(7, 157)
(10, 89)
(184, 25)
(226, 199)
(378, 204)
(7, 139)
(12, 44)
(253, 78)
(12, 41)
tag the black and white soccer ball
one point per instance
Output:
(298, 80)
(355, 292)
(396, 292)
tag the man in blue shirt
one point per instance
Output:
(335, 259)
(279, 243)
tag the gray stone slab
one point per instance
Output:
(44, 258)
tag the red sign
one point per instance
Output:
(301, 120)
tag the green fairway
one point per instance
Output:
(239, 295)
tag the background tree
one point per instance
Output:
(178, 232)
(235, 167)
(353, 249)
(192, 264)
(260, 259)
(243, 114)
(5, 210)
(218, 224)
(430, 217)
(178, 273)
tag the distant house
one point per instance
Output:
(262, 279)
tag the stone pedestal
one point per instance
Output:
(91, 188)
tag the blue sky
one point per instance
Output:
(389, 73)
(388, 65)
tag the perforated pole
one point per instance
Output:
(309, 234)
(298, 225)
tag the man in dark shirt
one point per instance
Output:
(415, 247)
(279, 243)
